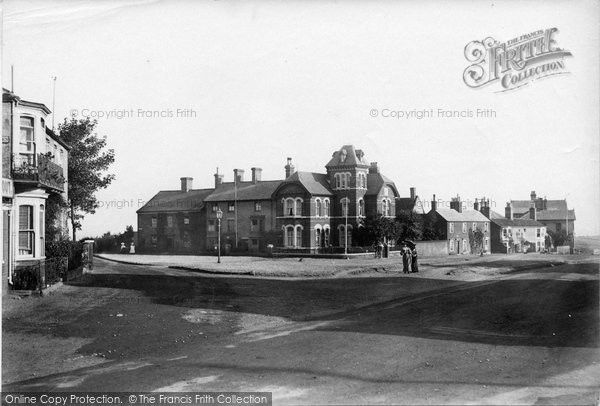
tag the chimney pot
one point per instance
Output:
(433, 204)
(413, 192)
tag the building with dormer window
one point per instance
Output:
(304, 212)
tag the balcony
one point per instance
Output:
(40, 172)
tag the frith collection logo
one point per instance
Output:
(514, 63)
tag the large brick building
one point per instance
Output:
(305, 211)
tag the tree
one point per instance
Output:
(476, 240)
(374, 229)
(88, 163)
(409, 225)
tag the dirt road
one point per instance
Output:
(523, 338)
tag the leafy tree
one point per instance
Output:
(88, 163)
(374, 229)
(561, 238)
(476, 240)
(409, 225)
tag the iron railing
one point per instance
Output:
(39, 169)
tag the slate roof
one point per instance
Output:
(353, 157)
(169, 201)
(466, 215)
(262, 190)
(521, 206)
(518, 222)
(375, 182)
(549, 215)
(314, 183)
(408, 203)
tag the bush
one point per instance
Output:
(26, 278)
(72, 250)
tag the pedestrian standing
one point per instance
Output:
(415, 263)
(123, 249)
(409, 259)
(132, 248)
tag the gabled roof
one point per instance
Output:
(518, 222)
(314, 183)
(494, 215)
(348, 156)
(409, 203)
(549, 215)
(375, 181)
(466, 215)
(169, 201)
(226, 191)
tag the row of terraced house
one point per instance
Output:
(308, 212)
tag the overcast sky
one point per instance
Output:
(267, 80)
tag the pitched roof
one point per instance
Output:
(466, 215)
(375, 182)
(348, 156)
(314, 183)
(518, 222)
(494, 215)
(521, 206)
(226, 191)
(548, 215)
(175, 201)
(409, 203)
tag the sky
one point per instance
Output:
(183, 87)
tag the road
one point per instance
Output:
(530, 337)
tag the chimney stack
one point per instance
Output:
(433, 204)
(508, 213)
(413, 192)
(476, 205)
(256, 175)
(532, 212)
(456, 204)
(218, 178)
(485, 208)
(289, 168)
(374, 168)
(533, 195)
(186, 184)
(238, 175)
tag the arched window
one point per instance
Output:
(289, 236)
(361, 207)
(361, 181)
(326, 207)
(326, 236)
(319, 209)
(345, 237)
(318, 233)
(298, 207)
(345, 203)
(289, 207)
(298, 236)
(385, 207)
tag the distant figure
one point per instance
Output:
(123, 249)
(415, 263)
(406, 260)
(132, 248)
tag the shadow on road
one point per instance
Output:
(539, 312)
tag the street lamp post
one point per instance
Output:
(219, 216)
(346, 228)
